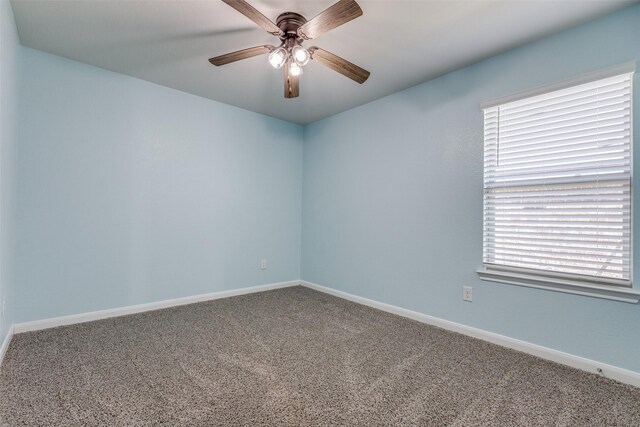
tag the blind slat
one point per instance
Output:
(559, 135)
(544, 143)
(587, 110)
(553, 100)
(556, 236)
(612, 250)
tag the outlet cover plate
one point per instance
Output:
(467, 293)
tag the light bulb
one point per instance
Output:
(278, 57)
(294, 69)
(300, 55)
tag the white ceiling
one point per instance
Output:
(401, 42)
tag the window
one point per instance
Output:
(557, 184)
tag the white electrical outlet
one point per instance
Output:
(263, 264)
(467, 293)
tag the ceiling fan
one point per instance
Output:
(293, 29)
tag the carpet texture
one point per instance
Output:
(291, 357)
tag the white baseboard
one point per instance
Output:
(5, 344)
(53, 322)
(588, 365)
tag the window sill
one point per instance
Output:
(615, 293)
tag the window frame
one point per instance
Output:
(608, 288)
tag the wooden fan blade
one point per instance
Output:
(252, 13)
(241, 54)
(337, 14)
(291, 84)
(338, 64)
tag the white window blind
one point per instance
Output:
(557, 182)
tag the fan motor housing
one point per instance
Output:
(289, 22)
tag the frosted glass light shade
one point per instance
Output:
(278, 57)
(294, 69)
(300, 55)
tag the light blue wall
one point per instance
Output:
(392, 199)
(130, 192)
(9, 75)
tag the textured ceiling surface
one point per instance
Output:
(402, 43)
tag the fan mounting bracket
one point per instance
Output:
(289, 22)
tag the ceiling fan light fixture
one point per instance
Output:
(295, 69)
(278, 57)
(300, 55)
(293, 29)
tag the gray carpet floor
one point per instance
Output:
(291, 357)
